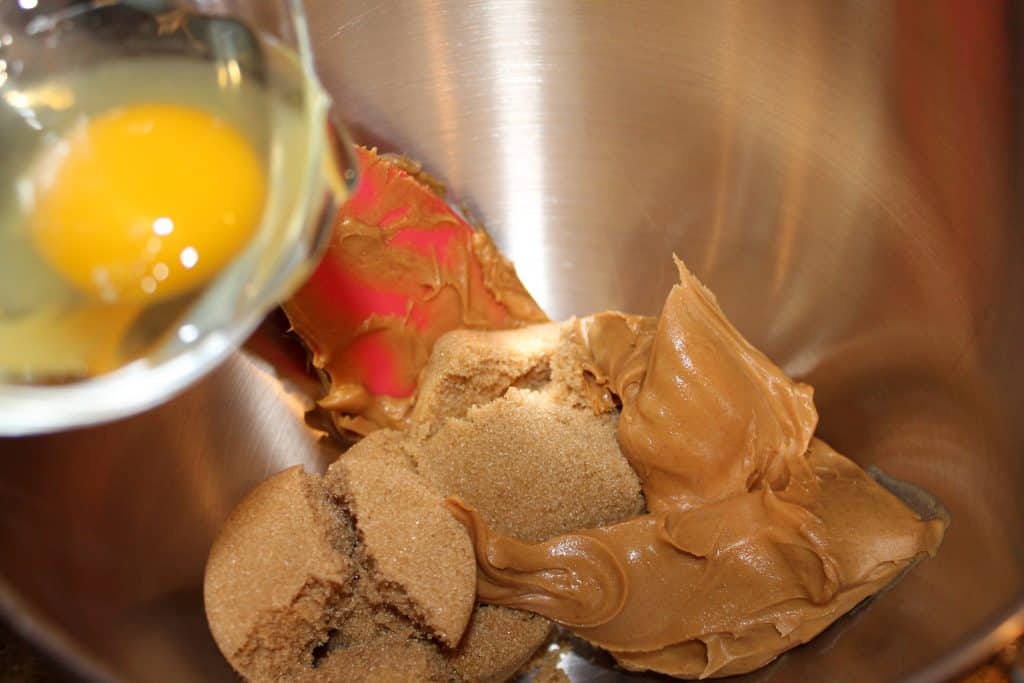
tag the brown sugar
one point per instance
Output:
(532, 467)
(470, 367)
(385, 660)
(278, 575)
(389, 445)
(417, 554)
(366, 578)
(497, 643)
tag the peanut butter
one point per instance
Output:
(401, 269)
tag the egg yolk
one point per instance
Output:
(147, 202)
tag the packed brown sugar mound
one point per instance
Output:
(525, 441)
(296, 567)
(279, 575)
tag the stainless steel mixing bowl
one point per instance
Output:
(845, 175)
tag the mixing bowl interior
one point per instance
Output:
(845, 177)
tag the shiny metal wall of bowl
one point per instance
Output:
(846, 176)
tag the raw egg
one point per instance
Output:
(146, 202)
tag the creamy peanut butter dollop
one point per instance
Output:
(757, 535)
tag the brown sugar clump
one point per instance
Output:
(497, 643)
(296, 589)
(420, 558)
(385, 660)
(278, 574)
(531, 466)
(375, 642)
(468, 368)
(388, 445)
(508, 421)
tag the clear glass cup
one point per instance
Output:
(237, 48)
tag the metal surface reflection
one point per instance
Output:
(843, 175)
